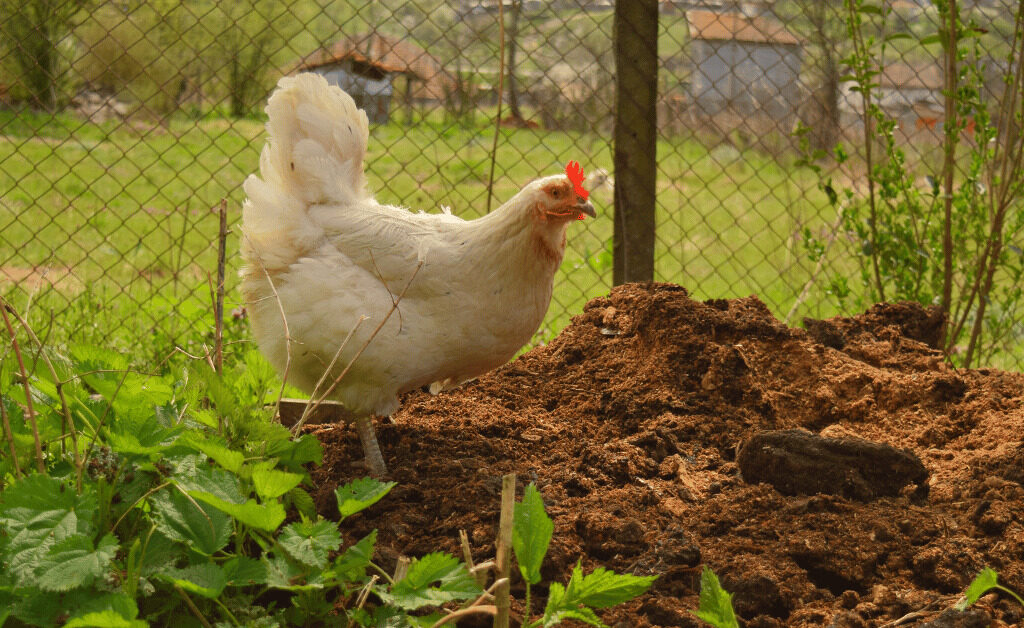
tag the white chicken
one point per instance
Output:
(474, 291)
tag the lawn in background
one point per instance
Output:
(111, 228)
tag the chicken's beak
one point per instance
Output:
(584, 207)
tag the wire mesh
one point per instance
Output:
(123, 124)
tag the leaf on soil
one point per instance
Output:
(415, 591)
(715, 602)
(987, 579)
(603, 588)
(531, 533)
(358, 495)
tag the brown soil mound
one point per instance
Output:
(630, 420)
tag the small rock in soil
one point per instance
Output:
(846, 619)
(796, 462)
(952, 618)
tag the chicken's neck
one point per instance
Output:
(521, 238)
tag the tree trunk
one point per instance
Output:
(513, 41)
(827, 134)
(635, 33)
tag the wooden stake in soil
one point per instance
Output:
(222, 239)
(401, 568)
(504, 557)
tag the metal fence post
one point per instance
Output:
(636, 89)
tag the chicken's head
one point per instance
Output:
(562, 198)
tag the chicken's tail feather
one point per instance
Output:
(314, 155)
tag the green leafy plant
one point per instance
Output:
(130, 497)
(531, 535)
(986, 580)
(901, 232)
(715, 602)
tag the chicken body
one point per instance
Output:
(472, 292)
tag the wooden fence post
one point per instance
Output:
(636, 91)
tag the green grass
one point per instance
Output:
(130, 213)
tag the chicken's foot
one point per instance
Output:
(374, 459)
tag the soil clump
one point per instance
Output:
(630, 422)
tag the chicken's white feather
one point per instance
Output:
(475, 291)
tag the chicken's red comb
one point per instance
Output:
(574, 171)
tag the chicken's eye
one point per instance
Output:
(556, 193)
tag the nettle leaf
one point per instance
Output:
(987, 579)
(159, 552)
(309, 543)
(415, 590)
(110, 610)
(285, 574)
(351, 565)
(74, 563)
(41, 501)
(272, 483)
(265, 517)
(203, 528)
(598, 589)
(141, 437)
(243, 571)
(207, 479)
(134, 395)
(303, 502)
(531, 533)
(715, 602)
(603, 588)
(104, 619)
(555, 616)
(358, 495)
(219, 452)
(206, 579)
(36, 513)
(556, 605)
(293, 454)
(88, 606)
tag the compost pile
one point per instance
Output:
(904, 481)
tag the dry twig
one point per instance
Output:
(9, 434)
(59, 384)
(30, 411)
(504, 558)
(284, 322)
(394, 306)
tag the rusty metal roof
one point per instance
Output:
(901, 75)
(709, 25)
(387, 55)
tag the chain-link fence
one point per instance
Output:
(124, 123)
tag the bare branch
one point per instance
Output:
(31, 413)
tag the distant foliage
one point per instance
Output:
(133, 53)
(35, 41)
(951, 237)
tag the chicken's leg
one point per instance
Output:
(374, 459)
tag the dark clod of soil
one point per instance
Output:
(629, 423)
(952, 618)
(797, 462)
